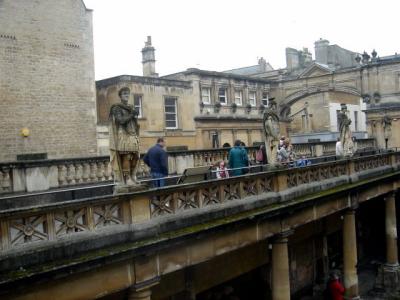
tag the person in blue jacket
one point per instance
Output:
(157, 159)
(238, 159)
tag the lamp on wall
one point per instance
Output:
(25, 132)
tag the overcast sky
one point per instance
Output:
(226, 34)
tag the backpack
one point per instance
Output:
(259, 156)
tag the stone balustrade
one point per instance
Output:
(41, 175)
(28, 225)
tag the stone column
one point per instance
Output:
(135, 294)
(350, 256)
(391, 231)
(280, 268)
(388, 278)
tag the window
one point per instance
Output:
(222, 96)
(265, 98)
(137, 103)
(303, 122)
(171, 120)
(238, 97)
(356, 121)
(338, 119)
(252, 98)
(206, 95)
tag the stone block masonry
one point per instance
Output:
(46, 79)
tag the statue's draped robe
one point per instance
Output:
(271, 140)
(124, 135)
(345, 135)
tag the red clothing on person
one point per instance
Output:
(336, 289)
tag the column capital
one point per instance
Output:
(390, 195)
(139, 295)
(282, 237)
(145, 285)
(350, 211)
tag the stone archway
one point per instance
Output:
(314, 110)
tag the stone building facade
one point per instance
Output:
(182, 106)
(47, 86)
(150, 95)
(225, 106)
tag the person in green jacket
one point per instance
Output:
(238, 159)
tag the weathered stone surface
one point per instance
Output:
(37, 179)
(46, 79)
(19, 181)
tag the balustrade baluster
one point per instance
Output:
(71, 174)
(78, 173)
(62, 175)
(86, 172)
(6, 180)
(1, 181)
(93, 171)
(100, 171)
(108, 171)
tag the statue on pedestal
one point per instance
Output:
(387, 129)
(271, 132)
(345, 132)
(124, 140)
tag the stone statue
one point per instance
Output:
(124, 140)
(387, 127)
(345, 132)
(271, 132)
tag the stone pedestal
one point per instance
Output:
(350, 256)
(280, 269)
(123, 189)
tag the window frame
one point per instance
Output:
(255, 98)
(140, 111)
(266, 103)
(202, 95)
(356, 120)
(169, 113)
(240, 97)
(225, 95)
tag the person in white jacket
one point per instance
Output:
(339, 147)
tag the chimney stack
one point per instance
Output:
(148, 59)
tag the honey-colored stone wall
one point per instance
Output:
(46, 79)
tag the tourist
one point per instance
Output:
(157, 159)
(261, 155)
(291, 153)
(222, 171)
(339, 147)
(335, 289)
(281, 141)
(283, 154)
(303, 161)
(238, 159)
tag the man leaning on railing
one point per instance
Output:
(157, 159)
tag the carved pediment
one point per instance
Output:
(315, 70)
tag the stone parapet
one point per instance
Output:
(114, 228)
(42, 175)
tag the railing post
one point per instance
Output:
(281, 183)
(140, 208)
(351, 167)
(393, 159)
(5, 240)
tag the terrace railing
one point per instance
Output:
(41, 175)
(34, 224)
